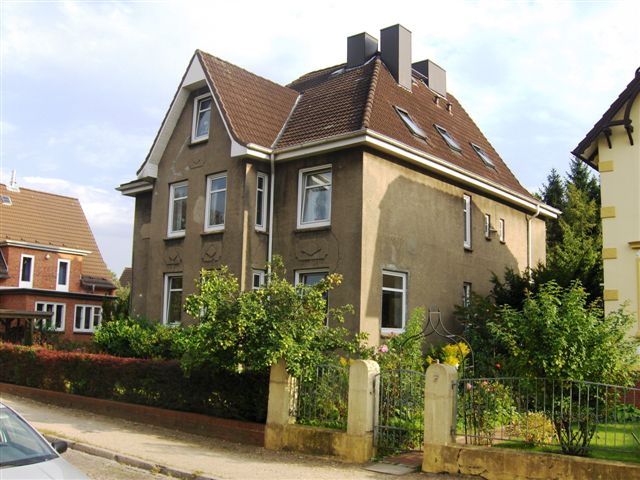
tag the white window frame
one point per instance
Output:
(404, 276)
(95, 310)
(196, 111)
(484, 156)
(217, 226)
(260, 275)
(63, 287)
(487, 226)
(298, 282)
(172, 201)
(302, 175)
(415, 129)
(261, 217)
(166, 296)
(501, 232)
(466, 293)
(22, 283)
(448, 138)
(54, 317)
(467, 220)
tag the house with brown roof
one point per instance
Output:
(612, 147)
(369, 168)
(50, 262)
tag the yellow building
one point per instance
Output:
(612, 147)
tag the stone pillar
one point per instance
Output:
(439, 397)
(362, 375)
(280, 394)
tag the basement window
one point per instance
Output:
(411, 124)
(453, 145)
(484, 156)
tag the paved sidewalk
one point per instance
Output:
(164, 449)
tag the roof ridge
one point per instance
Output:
(308, 75)
(368, 106)
(202, 52)
(39, 191)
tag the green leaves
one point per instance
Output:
(558, 335)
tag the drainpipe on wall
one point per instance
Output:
(529, 247)
(271, 195)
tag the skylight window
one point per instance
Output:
(484, 156)
(5, 200)
(453, 145)
(411, 124)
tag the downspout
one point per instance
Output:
(529, 247)
(271, 195)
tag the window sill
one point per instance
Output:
(212, 232)
(468, 249)
(488, 239)
(174, 237)
(312, 228)
(83, 332)
(197, 143)
(391, 332)
(261, 231)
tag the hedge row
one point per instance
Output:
(157, 383)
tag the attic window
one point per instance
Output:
(453, 145)
(484, 156)
(411, 124)
(201, 117)
(6, 200)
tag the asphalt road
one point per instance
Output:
(98, 468)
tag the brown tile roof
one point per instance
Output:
(126, 277)
(255, 108)
(50, 220)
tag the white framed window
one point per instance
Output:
(314, 196)
(466, 200)
(257, 279)
(56, 323)
(411, 124)
(487, 226)
(394, 301)
(201, 117)
(262, 188)
(87, 318)
(62, 276)
(484, 156)
(172, 310)
(178, 209)
(501, 230)
(446, 136)
(216, 202)
(466, 294)
(309, 278)
(27, 264)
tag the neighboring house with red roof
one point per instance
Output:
(612, 147)
(369, 168)
(50, 262)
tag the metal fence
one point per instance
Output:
(575, 417)
(321, 397)
(399, 422)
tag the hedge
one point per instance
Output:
(156, 383)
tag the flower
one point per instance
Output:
(343, 361)
(383, 348)
(498, 366)
(468, 385)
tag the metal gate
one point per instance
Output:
(399, 413)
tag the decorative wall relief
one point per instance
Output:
(311, 249)
(172, 256)
(211, 251)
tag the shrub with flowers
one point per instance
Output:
(453, 354)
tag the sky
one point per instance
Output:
(84, 85)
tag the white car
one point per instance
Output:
(26, 455)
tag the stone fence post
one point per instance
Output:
(439, 398)
(360, 419)
(280, 395)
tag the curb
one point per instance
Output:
(130, 461)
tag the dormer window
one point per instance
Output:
(201, 117)
(484, 156)
(453, 145)
(413, 127)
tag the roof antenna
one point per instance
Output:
(13, 185)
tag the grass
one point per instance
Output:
(607, 443)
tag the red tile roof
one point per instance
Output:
(336, 100)
(50, 220)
